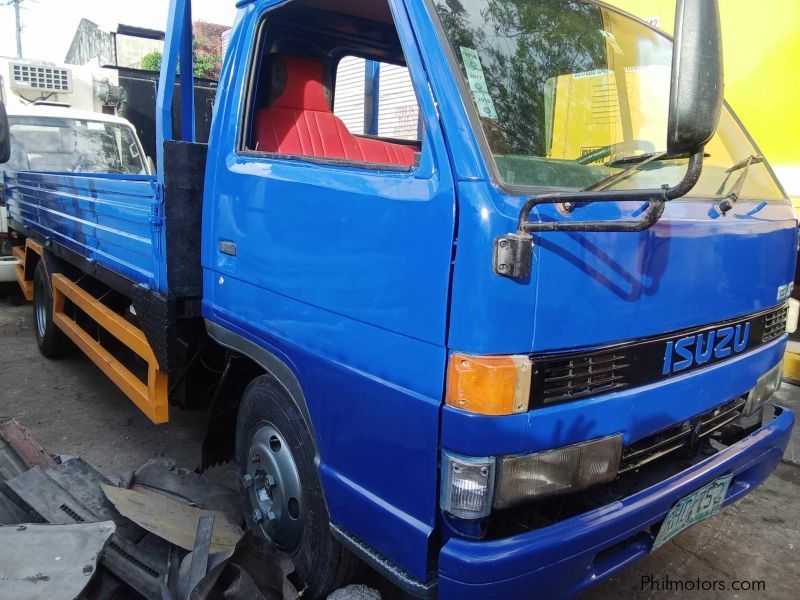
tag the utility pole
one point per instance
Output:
(16, 4)
(19, 28)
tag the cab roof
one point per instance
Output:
(62, 112)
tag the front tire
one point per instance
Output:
(52, 342)
(281, 490)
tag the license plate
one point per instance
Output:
(696, 507)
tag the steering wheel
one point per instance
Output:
(613, 150)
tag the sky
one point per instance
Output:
(49, 25)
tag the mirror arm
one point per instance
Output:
(513, 252)
(653, 196)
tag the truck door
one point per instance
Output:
(332, 248)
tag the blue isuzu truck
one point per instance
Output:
(504, 358)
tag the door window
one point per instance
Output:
(359, 82)
(344, 98)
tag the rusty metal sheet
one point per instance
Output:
(19, 450)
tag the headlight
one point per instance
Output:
(766, 386)
(467, 486)
(569, 469)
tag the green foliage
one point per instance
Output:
(152, 61)
(206, 64)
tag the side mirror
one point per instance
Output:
(695, 98)
(5, 136)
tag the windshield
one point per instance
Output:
(565, 91)
(74, 146)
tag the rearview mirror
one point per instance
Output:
(5, 136)
(695, 98)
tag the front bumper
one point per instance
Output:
(565, 558)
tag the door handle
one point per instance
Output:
(228, 248)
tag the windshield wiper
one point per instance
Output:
(635, 162)
(731, 197)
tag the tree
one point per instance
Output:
(206, 64)
(152, 61)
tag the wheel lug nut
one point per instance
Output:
(255, 459)
(269, 481)
(247, 481)
(257, 516)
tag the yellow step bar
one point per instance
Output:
(24, 279)
(152, 397)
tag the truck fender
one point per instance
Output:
(272, 364)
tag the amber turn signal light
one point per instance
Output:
(489, 385)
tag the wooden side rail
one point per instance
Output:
(152, 397)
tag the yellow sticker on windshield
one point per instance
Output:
(477, 83)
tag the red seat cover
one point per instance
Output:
(300, 122)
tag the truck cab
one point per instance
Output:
(513, 348)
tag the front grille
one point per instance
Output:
(580, 377)
(564, 377)
(775, 325)
(686, 434)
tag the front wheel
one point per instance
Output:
(51, 340)
(280, 487)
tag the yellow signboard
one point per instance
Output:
(761, 44)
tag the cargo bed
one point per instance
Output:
(114, 221)
(127, 227)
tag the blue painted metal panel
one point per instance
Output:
(111, 220)
(186, 62)
(590, 289)
(345, 271)
(561, 560)
(372, 96)
(177, 50)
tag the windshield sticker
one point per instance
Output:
(593, 73)
(477, 83)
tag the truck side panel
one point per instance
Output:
(112, 221)
(343, 272)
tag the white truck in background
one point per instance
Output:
(27, 85)
(50, 138)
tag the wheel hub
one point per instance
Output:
(273, 485)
